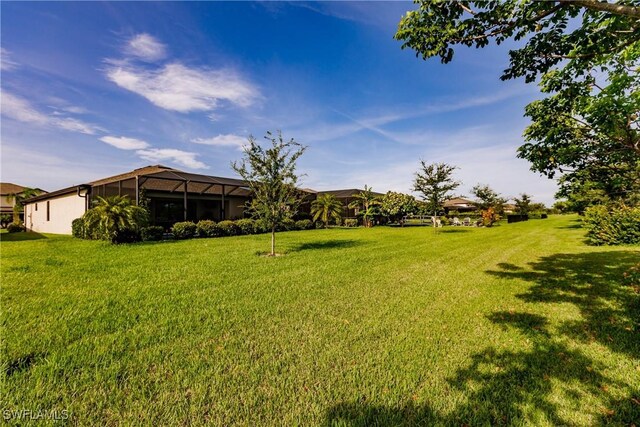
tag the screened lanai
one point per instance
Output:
(172, 195)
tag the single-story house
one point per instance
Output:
(170, 195)
(459, 204)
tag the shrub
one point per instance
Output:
(612, 225)
(228, 228)
(246, 226)
(184, 230)
(516, 218)
(152, 233)
(126, 235)
(5, 220)
(261, 226)
(350, 222)
(208, 228)
(286, 225)
(77, 228)
(304, 224)
(444, 220)
(15, 227)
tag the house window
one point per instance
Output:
(48, 211)
(36, 207)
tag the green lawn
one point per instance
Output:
(522, 323)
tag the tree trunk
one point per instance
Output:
(273, 240)
(16, 214)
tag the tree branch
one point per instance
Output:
(603, 6)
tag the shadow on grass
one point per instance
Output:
(513, 386)
(592, 283)
(329, 244)
(575, 224)
(455, 230)
(21, 364)
(20, 237)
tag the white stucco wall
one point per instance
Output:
(62, 210)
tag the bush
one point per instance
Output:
(261, 227)
(350, 222)
(228, 228)
(286, 225)
(612, 225)
(444, 220)
(304, 224)
(208, 228)
(516, 218)
(15, 227)
(126, 235)
(152, 233)
(246, 226)
(184, 230)
(77, 228)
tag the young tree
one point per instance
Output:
(487, 197)
(367, 202)
(585, 55)
(110, 217)
(435, 183)
(18, 199)
(271, 176)
(397, 205)
(489, 202)
(326, 207)
(523, 203)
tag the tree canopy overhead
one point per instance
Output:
(585, 56)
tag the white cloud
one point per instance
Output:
(180, 157)
(146, 47)
(20, 109)
(229, 140)
(6, 64)
(125, 143)
(180, 88)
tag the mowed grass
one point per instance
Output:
(517, 324)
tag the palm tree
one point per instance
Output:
(110, 216)
(18, 198)
(368, 201)
(325, 208)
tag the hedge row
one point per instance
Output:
(208, 228)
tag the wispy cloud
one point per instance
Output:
(228, 140)
(145, 47)
(17, 108)
(376, 121)
(180, 157)
(6, 64)
(180, 88)
(124, 143)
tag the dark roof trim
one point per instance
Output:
(62, 192)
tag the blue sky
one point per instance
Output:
(93, 89)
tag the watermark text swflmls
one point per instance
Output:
(38, 414)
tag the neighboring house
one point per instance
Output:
(509, 208)
(7, 203)
(171, 195)
(459, 204)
